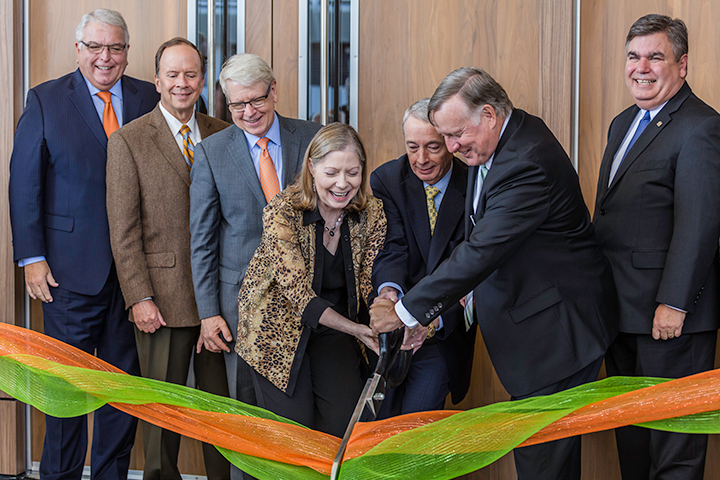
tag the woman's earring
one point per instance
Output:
(313, 184)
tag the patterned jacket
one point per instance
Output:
(277, 287)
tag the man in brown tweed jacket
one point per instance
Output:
(148, 202)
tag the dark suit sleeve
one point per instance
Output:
(518, 201)
(696, 217)
(28, 165)
(391, 263)
(125, 221)
(204, 238)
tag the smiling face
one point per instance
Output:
(337, 180)
(473, 136)
(102, 69)
(256, 121)
(179, 81)
(426, 151)
(651, 72)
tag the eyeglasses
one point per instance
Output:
(259, 102)
(115, 48)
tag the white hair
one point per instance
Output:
(247, 69)
(105, 17)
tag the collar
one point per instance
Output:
(443, 183)
(176, 124)
(115, 89)
(273, 134)
(312, 216)
(653, 112)
(488, 164)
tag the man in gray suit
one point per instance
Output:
(236, 172)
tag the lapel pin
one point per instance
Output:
(659, 123)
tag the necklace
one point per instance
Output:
(331, 231)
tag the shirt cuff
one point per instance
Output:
(440, 322)
(405, 316)
(392, 285)
(30, 260)
(675, 308)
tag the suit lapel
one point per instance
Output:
(131, 101)
(661, 120)
(612, 147)
(203, 124)
(414, 193)
(240, 155)
(291, 155)
(165, 142)
(80, 97)
(470, 193)
(451, 212)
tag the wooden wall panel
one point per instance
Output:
(259, 28)
(407, 49)
(12, 412)
(285, 55)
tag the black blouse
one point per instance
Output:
(334, 278)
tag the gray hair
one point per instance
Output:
(247, 69)
(475, 87)
(418, 110)
(675, 30)
(105, 17)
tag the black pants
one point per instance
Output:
(560, 459)
(329, 384)
(165, 355)
(653, 454)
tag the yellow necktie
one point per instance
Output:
(110, 122)
(188, 145)
(268, 175)
(430, 192)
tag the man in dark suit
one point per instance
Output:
(542, 289)
(60, 229)
(657, 216)
(423, 194)
(236, 172)
(148, 203)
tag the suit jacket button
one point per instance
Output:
(439, 305)
(346, 238)
(603, 211)
(427, 315)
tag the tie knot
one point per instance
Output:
(263, 143)
(184, 130)
(431, 191)
(105, 96)
(484, 171)
(646, 117)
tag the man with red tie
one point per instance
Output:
(60, 229)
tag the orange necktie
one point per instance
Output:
(268, 175)
(110, 123)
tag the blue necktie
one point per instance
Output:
(641, 126)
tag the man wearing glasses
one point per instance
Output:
(235, 174)
(60, 229)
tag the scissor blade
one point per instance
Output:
(373, 385)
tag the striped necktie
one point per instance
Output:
(188, 145)
(268, 175)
